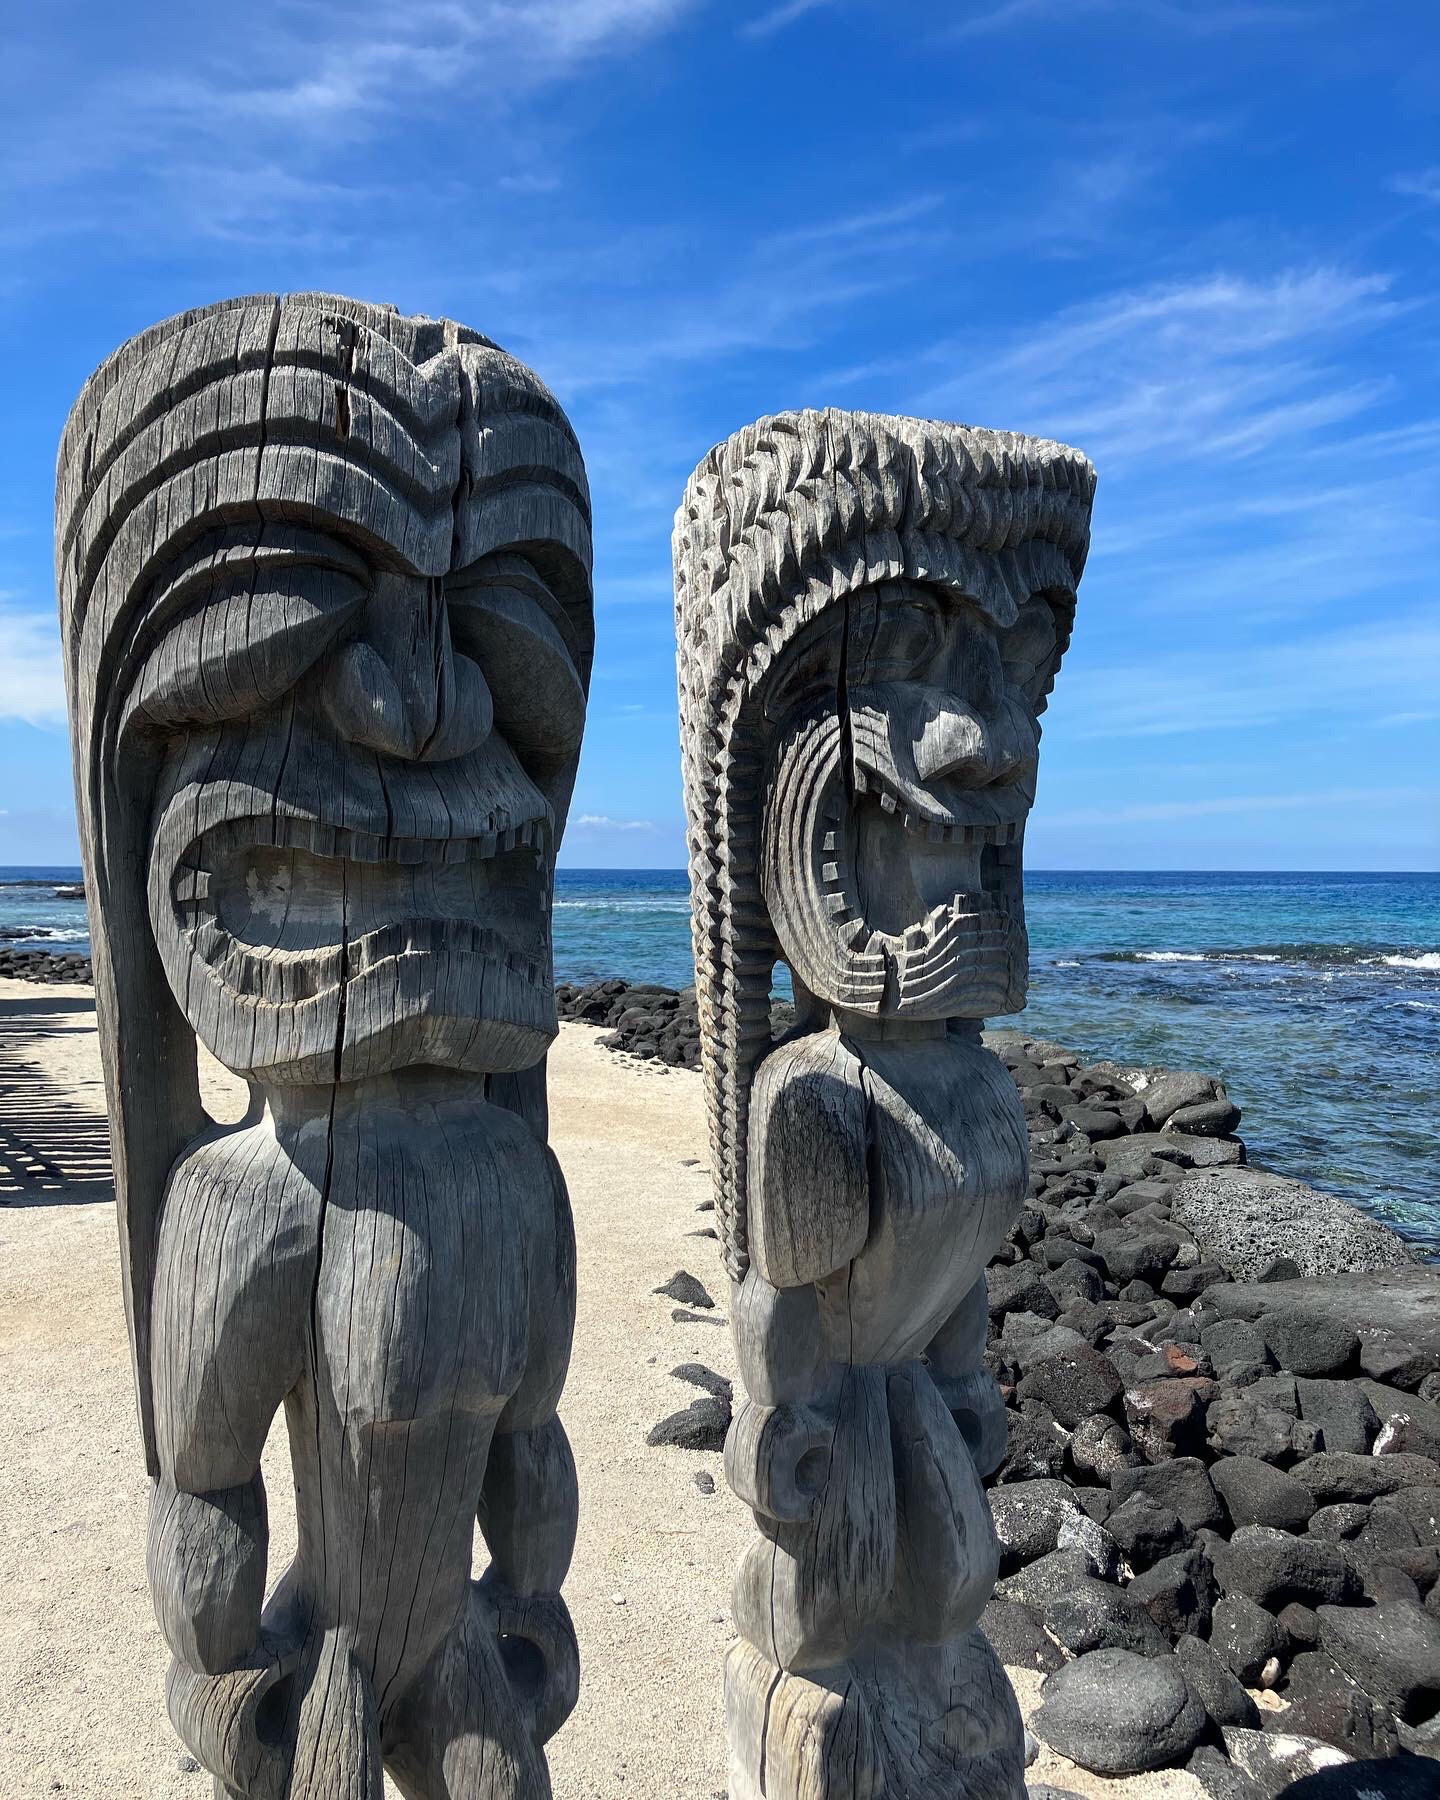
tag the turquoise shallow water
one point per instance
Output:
(1316, 997)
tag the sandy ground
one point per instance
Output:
(81, 1660)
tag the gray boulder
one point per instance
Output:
(1214, 1685)
(1392, 1650)
(1245, 1636)
(1092, 1615)
(1182, 1485)
(1028, 1516)
(1018, 1638)
(1175, 1147)
(1341, 1476)
(1245, 1218)
(1274, 1567)
(1273, 1760)
(1257, 1494)
(1324, 1702)
(1397, 1778)
(1117, 1713)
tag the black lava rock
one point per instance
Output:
(1308, 1343)
(1245, 1637)
(699, 1376)
(1100, 1446)
(1118, 1713)
(1182, 1484)
(1018, 1638)
(1343, 1476)
(1325, 1703)
(1092, 1615)
(1274, 1567)
(1342, 1412)
(1178, 1592)
(1214, 1684)
(1074, 1384)
(1033, 1450)
(686, 1289)
(1256, 1494)
(1145, 1530)
(700, 1426)
(1047, 1578)
(1392, 1651)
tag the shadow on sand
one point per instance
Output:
(54, 1149)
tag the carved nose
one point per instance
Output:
(967, 746)
(401, 687)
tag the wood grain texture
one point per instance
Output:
(870, 614)
(324, 577)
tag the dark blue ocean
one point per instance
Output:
(1315, 997)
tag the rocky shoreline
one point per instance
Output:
(1219, 1507)
(44, 965)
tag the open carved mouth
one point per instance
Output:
(909, 871)
(289, 907)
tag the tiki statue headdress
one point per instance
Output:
(796, 538)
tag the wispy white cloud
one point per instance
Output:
(779, 17)
(1202, 20)
(246, 146)
(359, 65)
(32, 685)
(1424, 184)
(1342, 682)
(603, 822)
(1223, 805)
(1224, 365)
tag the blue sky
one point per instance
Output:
(1197, 238)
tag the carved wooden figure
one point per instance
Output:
(870, 613)
(324, 577)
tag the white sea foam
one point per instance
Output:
(1169, 956)
(681, 905)
(1427, 959)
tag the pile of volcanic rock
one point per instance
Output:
(43, 965)
(645, 1020)
(1219, 1506)
(1222, 1477)
(651, 1022)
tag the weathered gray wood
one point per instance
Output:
(870, 614)
(324, 579)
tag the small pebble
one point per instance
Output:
(187, 1765)
(705, 1481)
(617, 1599)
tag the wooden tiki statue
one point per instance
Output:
(870, 613)
(324, 577)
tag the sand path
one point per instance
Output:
(81, 1660)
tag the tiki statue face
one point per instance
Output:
(896, 801)
(379, 821)
(346, 647)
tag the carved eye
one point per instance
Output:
(243, 645)
(505, 619)
(1031, 648)
(894, 635)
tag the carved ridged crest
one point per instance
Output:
(777, 524)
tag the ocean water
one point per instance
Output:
(1315, 997)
